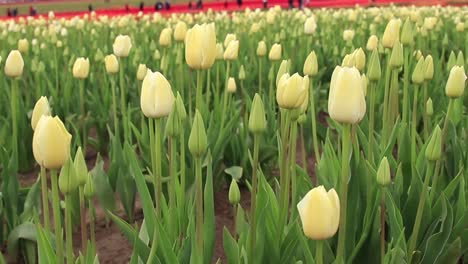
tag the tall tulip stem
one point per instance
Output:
(199, 207)
(284, 170)
(260, 74)
(84, 234)
(14, 120)
(314, 121)
(406, 52)
(45, 199)
(382, 225)
(253, 198)
(123, 98)
(319, 252)
(83, 114)
(413, 130)
(199, 99)
(158, 172)
(57, 218)
(371, 90)
(114, 108)
(69, 233)
(346, 153)
(92, 226)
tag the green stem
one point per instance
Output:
(382, 226)
(419, 214)
(14, 119)
(172, 183)
(413, 130)
(84, 238)
(92, 227)
(405, 84)
(182, 168)
(57, 218)
(314, 121)
(123, 98)
(284, 171)
(114, 108)
(69, 234)
(371, 90)
(152, 156)
(199, 100)
(319, 251)
(223, 113)
(45, 200)
(158, 174)
(199, 207)
(303, 150)
(83, 113)
(346, 152)
(291, 180)
(260, 75)
(208, 88)
(386, 101)
(253, 198)
(425, 116)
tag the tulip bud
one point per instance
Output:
(460, 59)
(434, 147)
(275, 52)
(157, 98)
(383, 173)
(200, 46)
(241, 73)
(460, 27)
(156, 55)
(346, 101)
(418, 73)
(407, 35)
(89, 187)
(365, 82)
(165, 37)
(51, 143)
(232, 50)
(257, 120)
(311, 65)
(418, 54)
(310, 26)
(396, 58)
(81, 68)
(67, 181)
(181, 112)
(348, 60)
(319, 211)
(283, 68)
(234, 193)
(122, 45)
(23, 46)
(231, 88)
(198, 142)
(14, 64)
(348, 35)
(429, 68)
(372, 43)
(180, 31)
(219, 51)
(360, 59)
(373, 71)
(261, 49)
(292, 91)
(391, 34)
(112, 65)
(173, 124)
(452, 61)
(456, 82)
(228, 39)
(80, 167)
(40, 108)
(141, 72)
(429, 107)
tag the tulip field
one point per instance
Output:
(334, 136)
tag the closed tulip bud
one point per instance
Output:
(283, 68)
(157, 98)
(80, 167)
(200, 46)
(181, 112)
(418, 54)
(165, 37)
(396, 58)
(360, 59)
(141, 72)
(372, 43)
(383, 173)
(430, 22)
(310, 26)
(14, 64)
(391, 34)
(180, 31)
(348, 60)
(460, 59)
(51, 142)
(242, 73)
(89, 187)
(456, 82)
(319, 211)
(23, 46)
(232, 50)
(429, 107)
(292, 91)
(234, 193)
(346, 101)
(198, 142)
(81, 68)
(418, 73)
(254, 28)
(156, 55)
(275, 52)
(445, 40)
(40, 108)
(429, 68)
(219, 51)
(365, 82)
(112, 64)
(67, 180)
(261, 49)
(257, 120)
(122, 45)
(228, 39)
(374, 71)
(348, 35)
(452, 61)
(173, 124)
(434, 147)
(407, 35)
(231, 87)
(460, 27)
(311, 65)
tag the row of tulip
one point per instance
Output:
(398, 165)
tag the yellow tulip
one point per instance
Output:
(292, 91)
(456, 82)
(311, 65)
(261, 49)
(391, 33)
(165, 37)
(319, 211)
(23, 45)
(81, 68)
(141, 72)
(346, 101)
(348, 35)
(14, 64)
(360, 59)
(200, 46)
(40, 108)
(232, 50)
(275, 52)
(228, 39)
(122, 45)
(372, 43)
(219, 51)
(310, 26)
(157, 98)
(51, 142)
(231, 88)
(112, 64)
(180, 31)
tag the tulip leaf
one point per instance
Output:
(231, 248)
(235, 172)
(46, 252)
(26, 232)
(209, 217)
(104, 191)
